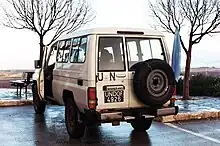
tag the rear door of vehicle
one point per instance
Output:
(142, 48)
(111, 75)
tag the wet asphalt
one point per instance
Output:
(19, 126)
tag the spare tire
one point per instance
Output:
(153, 82)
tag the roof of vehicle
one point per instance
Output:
(112, 31)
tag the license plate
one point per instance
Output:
(114, 96)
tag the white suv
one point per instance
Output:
(107, 75)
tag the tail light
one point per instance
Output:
(92, 100)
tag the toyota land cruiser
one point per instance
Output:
(106, 75)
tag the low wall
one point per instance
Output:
(5, 83)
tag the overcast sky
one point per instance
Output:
(20, 47)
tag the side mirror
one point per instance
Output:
(37, 64)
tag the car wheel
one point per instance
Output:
(141, 124)
(39, 106)
(74, 128)
(154, 82)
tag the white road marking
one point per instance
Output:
(193, 133)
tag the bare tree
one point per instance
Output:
(201, 17)
(47, 17)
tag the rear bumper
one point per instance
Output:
(128, 114)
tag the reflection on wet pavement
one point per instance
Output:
(52, 131)
(11, 94)
(21, 127)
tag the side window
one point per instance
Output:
(74, 50)
(61, 46)
(82, 49)
(66, 51)
(63, 50)
(78, 50)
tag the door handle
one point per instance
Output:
(121, 75)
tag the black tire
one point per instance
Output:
(39, 106)
(141, 124)
(154, 82)
(74, 128)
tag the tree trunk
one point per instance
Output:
(41, 50)
(186, 87)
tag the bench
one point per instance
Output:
(26, 79)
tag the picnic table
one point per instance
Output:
(26, 79)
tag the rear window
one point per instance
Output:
(111, 54)
(141, 49)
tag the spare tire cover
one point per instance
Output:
(153, 82)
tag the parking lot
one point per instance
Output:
(20, 126)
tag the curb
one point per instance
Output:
(189, 116)
(9, 103)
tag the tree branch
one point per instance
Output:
(201, 17)
(44, 16)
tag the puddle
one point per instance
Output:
(11, 94)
